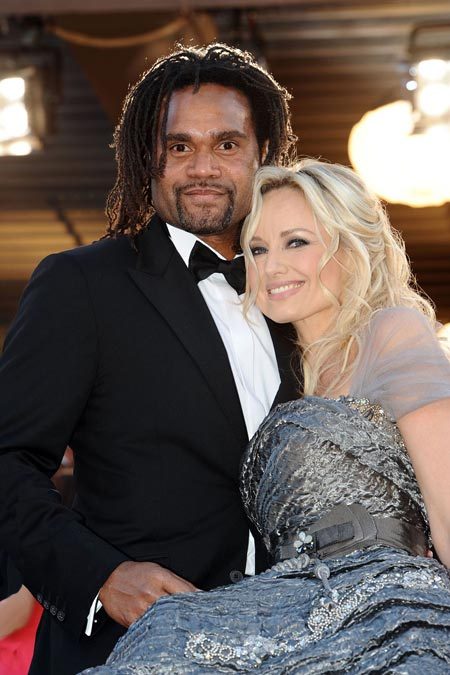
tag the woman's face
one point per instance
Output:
(287, 248)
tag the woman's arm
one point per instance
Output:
(426, 432)
(15, 611)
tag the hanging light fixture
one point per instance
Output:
(16, 134)
(28, 88)
(402, 149)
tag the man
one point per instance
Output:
(154, 381)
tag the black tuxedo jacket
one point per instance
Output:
(115, 353)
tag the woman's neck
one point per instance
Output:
(335, 376)
(312, 328)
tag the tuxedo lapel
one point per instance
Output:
(283, 338)
(166, 282)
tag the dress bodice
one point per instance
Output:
(313, 453)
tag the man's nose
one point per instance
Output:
(203, 164)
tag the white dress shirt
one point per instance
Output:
(250, 352)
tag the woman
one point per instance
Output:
(347, 483)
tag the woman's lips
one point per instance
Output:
(284, 290)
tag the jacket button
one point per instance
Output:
(53, 610)
(40, 598)
(235, 576)
(60, 615)
(46, 604)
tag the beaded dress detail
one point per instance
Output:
(380, 610)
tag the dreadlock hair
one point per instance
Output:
(145, 112)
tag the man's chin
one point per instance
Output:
(205, 223)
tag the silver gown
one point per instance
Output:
(382, 610)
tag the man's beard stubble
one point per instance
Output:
(208, 222)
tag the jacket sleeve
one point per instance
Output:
(46, 374)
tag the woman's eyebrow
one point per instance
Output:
(285, 233)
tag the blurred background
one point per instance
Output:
(370, 82)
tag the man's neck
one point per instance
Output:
(227, 244)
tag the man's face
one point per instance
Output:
(212, 155)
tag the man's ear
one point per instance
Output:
(264, 150)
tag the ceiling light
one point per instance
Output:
(399, 165)
(402, 149)
(12, 88)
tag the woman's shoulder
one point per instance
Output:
(400, 317)
(399, 326)
(401, 364)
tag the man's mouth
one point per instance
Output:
(203, 192)
(207, 189)
(203, 206)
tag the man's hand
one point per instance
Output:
(134, 586)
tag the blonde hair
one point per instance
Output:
(377, 271)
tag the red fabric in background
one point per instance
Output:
(16, 650)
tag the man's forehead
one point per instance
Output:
(209, 89)
(211, 107)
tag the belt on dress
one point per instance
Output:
(344, 529)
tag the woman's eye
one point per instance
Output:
(257, 250)
(297, 242)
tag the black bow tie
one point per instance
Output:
(203, 262)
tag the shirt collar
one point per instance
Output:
(184, 242)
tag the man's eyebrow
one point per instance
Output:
(229, 134)
(180, 137)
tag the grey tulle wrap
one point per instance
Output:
(392, 614)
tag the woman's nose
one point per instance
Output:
(274, 263)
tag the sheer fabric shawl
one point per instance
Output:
(402, 364)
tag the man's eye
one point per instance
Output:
(297, 243)
(257, 250)
(179, 147)
(228, 145)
